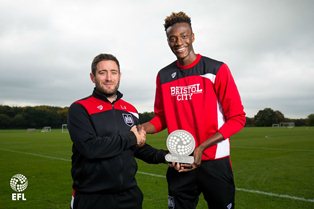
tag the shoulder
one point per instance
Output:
(211, 65)
(80, 102)
(125, 106)
(211, 60)
(86, 102)
(171, 66)
(167, 73)
(77, 108)
(92, 105)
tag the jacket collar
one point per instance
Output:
(195, 62)
(103, 97)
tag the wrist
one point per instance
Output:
(201, 147)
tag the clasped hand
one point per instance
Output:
(140, 134)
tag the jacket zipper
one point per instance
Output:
(120, 159)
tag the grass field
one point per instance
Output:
(273, 169)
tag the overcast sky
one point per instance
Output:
(46, 48)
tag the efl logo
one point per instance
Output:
(18, 183)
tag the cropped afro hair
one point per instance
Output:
(174, 18)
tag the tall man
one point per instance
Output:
(105, 141)
(199, 95)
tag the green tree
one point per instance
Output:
(267, 117)
(63, 114)
(7, 110)
(299, 122)
(249, 122)
(279, 117)
(146, 116)
(310, 120)
(5, 121)
(32, 117)
(20, 122)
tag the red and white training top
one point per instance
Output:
(201, 98)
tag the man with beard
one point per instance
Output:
(105, 139)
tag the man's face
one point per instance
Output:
(180, 38)
(107, 77)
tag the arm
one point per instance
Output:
(150, 154)
(231, 104)
(157, 123)
(149, 127)
(198, 152)
(234, 115)
(88, 143)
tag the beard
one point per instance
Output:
(108, 93)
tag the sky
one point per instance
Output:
(47, 46)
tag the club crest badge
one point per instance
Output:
(128, 119)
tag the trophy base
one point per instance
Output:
(179, 158)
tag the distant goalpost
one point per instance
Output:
(46, 129)
(283, 125)
(287, 124)
(275, 125)
(64, 128)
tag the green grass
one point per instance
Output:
(276, 161)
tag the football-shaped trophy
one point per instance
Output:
(180, 144)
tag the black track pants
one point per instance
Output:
(130, 199)
(213, 178)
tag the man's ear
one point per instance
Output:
(92, 77)
(193, 37)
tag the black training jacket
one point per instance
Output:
(103, 145)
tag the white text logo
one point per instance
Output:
(18, 183)
(185, 92)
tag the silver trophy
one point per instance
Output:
(180, 144)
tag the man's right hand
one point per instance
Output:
(140, 135)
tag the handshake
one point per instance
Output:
(140, 134)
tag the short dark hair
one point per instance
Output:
(102, 57)
(177, 18)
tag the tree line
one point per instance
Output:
(40, 116)
(32, 117)
(268, 117)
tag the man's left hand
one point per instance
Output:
(184, 167)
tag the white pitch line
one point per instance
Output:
(285, 196)
(275, 195)
(37, 155)
(151, 174)
(273, 149)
